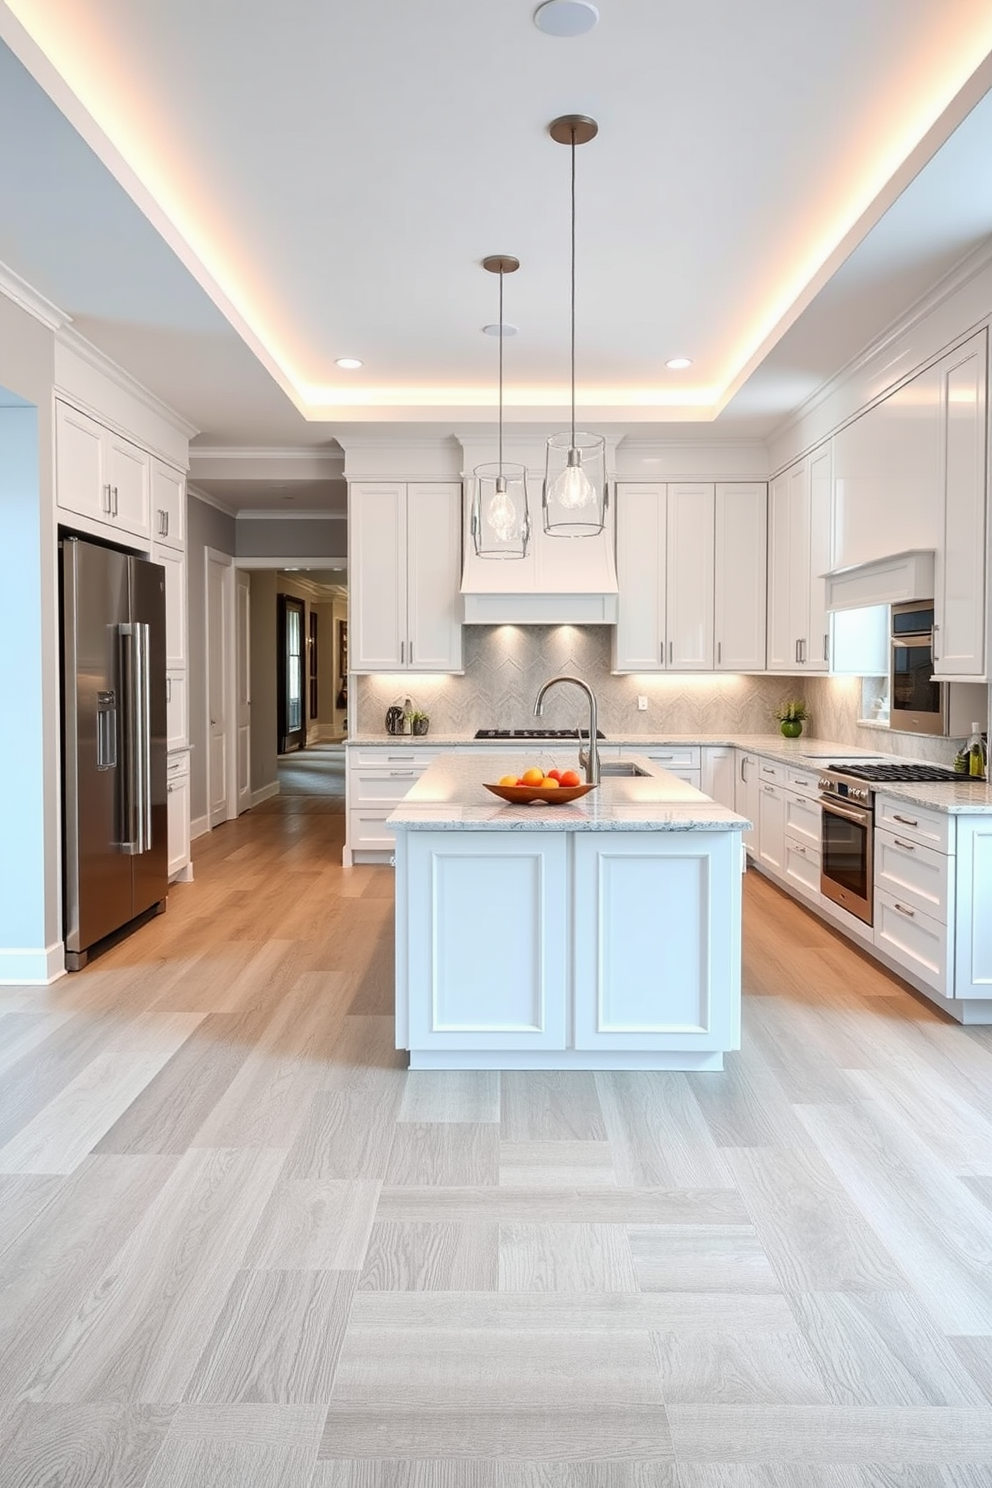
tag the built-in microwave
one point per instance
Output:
(917, 704)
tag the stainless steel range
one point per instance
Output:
(847, 826)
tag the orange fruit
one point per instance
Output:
(550, 783)
(533, 776)
(569, 777)
(508, 780)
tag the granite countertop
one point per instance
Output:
(958, 797)
(450, 796)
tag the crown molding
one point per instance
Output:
(115, 373)
(967, 269)
(265, 452)
(27, 298)
(193, 490)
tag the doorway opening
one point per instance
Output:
(292, 681)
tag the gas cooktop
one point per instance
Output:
(538, 733)
(896, 774)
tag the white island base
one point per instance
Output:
(597, 936)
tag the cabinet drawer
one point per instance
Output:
(769, 773)
(388, 787)
(916, 875)
(802, 782)
(402, 755)
(177, 764)
(931, 828)
(685, 757)
(916, 941)
(368, 832)
(802, 819)
(802, 865)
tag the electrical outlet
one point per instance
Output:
(642, 705)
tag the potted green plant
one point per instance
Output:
(791, 716)
(419, 723)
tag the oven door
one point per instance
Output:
(846, 855)
(916, 701)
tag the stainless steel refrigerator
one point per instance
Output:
(114, 742)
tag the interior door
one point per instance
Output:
(218, 720)
(292, 694)
(243, 689)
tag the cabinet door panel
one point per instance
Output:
(129, 474)
(746, 790)
(689, 602)
(174, 563)
(377, 577)
(640, 631)
(168, 496)
(816, 657)
(635, 899)
(781, 631)
(718, 776)
(487, 940)
(178, 822)
(798, 583)
(740, 576)
(434, 551)
(771, 827)
(959, 643)
(176, 727)
(81, 482)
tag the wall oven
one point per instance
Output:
(917, 704)
(847, 830)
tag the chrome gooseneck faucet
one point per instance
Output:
(592, 756)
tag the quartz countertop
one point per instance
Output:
(450, 796)
(957, 797)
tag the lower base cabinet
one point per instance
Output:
(177, 785)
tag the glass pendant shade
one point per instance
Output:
(500, 514)
(576, 496)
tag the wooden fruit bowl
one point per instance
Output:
(527, 795)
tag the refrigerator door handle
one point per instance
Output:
(143, 735)
(129, 713)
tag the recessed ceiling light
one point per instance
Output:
(678, 364)
(566, 17)
(350, 364)
(494, 330)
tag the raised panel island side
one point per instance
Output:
(602, 934)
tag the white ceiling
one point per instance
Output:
(239, 204)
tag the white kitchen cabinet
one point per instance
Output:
(973, 923)
(960, 575)
(802, 819)
(914, 941)
(718, 775)
(177, 785)
(771, 827)
(100, 474)
(914, 874)
(689, 587)
(176, 710)
(740, 573)
(799, 554)
(404, 570)
(173, 560)
(665, 575)
(747, 789)
(802, 867)
(168, 498)
(376, 780)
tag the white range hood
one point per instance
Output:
(562, 580)
(898, 578)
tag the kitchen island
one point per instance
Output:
(602, 934)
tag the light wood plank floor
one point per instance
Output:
(241, 1247)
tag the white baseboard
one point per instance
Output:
(265, 792)
(198, 827)
(33, 967)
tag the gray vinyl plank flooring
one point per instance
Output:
(243, 1247)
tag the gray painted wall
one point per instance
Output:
(318, 538)
(263, 678)
(206, 527)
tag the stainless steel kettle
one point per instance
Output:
(395, 720)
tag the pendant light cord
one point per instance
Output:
(501, 370)
(573, 286)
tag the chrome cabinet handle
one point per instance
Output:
(769, 790)
(826, 647)
(400, 774)
(719, 652)
(411, 653)
(671, 652)
(936, 653)
(901, 842)
(743, 763)
(797, 653)
(168, 689)
(108, 504)
(402, 652)
(114, 512)
(909, 913)
(907, 821)
(797, 847)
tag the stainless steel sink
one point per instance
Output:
(621, 767)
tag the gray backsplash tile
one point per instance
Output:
(505, 666)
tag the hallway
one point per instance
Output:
(242, 1247)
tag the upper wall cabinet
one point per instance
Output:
(404, 568)
(168, 494)
(959, 602)
(100, 474)
(740, 573)
(690, 558)
(799, 555)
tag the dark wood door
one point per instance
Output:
(291, 678)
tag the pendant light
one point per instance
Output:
(575, 495)
(500, 518)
